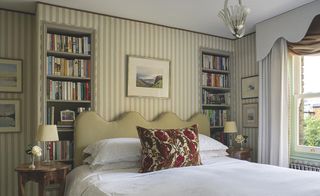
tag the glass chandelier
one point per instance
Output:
(234, 17)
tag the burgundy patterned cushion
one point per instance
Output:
(168, 148)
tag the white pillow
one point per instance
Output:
(119, 165)
(114, 150)
(208, 143)
(213, 153)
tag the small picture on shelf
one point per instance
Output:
(67, 115)
(207, 61)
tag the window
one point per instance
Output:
(306, 88)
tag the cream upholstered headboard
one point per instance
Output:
(90, 127)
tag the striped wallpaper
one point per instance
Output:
(244, 65)
(115, 39)
(16, 42)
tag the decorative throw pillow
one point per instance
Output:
(168, 148)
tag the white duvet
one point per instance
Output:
(219, 176)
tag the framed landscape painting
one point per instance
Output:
(148, 77)
(9, 115)
(10, 75)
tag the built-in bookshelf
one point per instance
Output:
(215, 89)
(68, 86)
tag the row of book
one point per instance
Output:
(215, 80)
(63, 90)
(220, 136)
(216, 117)
(214, 98)
(215, 62)
(67, 67)
(59, 150)
(72, 44)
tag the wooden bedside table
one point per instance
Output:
(55, 173)
(244, 154)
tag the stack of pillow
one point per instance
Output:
(155, 150)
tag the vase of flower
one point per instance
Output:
(33, 151)
(32, 166)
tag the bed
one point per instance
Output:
(218, 175)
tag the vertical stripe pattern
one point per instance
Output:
(16, 42)
(244, 65)
(117, 38)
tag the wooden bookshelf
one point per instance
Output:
(215, 89)
(67, 80)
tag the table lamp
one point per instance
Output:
(45, 134)
(230, 127)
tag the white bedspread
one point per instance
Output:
(220, 176)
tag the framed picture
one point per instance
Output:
(9, 115)
(148, 77)
(250, 116)
(10, 75)
(250, 87)
(67, 115)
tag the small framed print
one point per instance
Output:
(148, 77)
(250, 87)
(10, 75)
(250, 116)
(67, 116)
(9, 115)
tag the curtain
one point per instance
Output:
(273, 107)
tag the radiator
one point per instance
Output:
(305, 167)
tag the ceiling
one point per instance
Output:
(195, 15)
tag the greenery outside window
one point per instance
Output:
(306, 106)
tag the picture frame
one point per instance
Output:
(9, 115)
(250, 87)
(67, 116)
(148, 77)
(10, 75)
(250, 115)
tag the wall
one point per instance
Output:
(116, 38)
(244, 65)
(16, 42)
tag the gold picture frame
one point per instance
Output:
(10, 75)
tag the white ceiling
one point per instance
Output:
(195, 15)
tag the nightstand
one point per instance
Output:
(244, 154)
(43, 174)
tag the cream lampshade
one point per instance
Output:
(45, 134)
(230, 127)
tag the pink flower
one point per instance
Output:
(189, 134)
(161, 135)
(179, 161)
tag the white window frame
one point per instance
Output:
(300, 149)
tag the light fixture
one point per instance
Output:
(234, 17)
(230, 127)
(45, 134)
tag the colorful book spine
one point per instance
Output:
(65, 90)
(70, 44)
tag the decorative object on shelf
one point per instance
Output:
(9, 115)
(240, 139)
(250, 87)
(45, 134)
(250, 115)
(67, 115)
(230, 127)
(10, 75)
(148, 77)
(235, 18)
(33, 151)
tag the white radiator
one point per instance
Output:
(306, 167)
